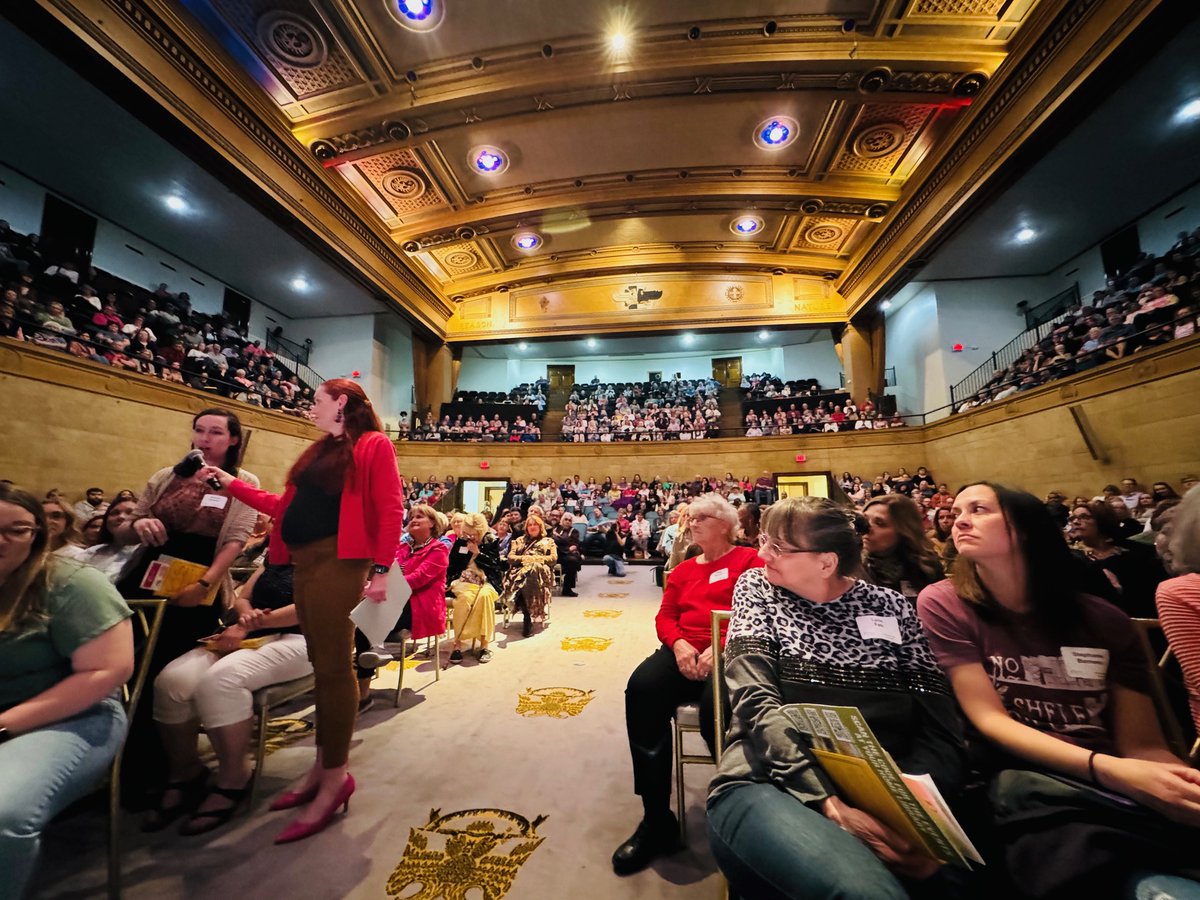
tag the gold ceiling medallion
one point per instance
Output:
(735, 293)
(586, 644)
(292, 39)
(404, 184)
(553, 702)
(633, 297)
(460, 259)
(453, 855)
(604, 613)
(879, 140)
(823, 234)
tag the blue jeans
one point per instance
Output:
(772, 847)
(44, 771)
(616, 565)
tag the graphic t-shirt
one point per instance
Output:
(1058, 687)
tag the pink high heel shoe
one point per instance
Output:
(292, 799)
(298, 831)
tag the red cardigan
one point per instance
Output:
(425, 572)
(372, 508)
(693, 591)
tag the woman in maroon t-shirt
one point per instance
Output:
(1086, 796)
(678, 672)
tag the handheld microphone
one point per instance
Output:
(191, 464)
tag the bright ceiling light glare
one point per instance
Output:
(175, 203)
(1189, 112)
(1024, 235)
(764, 335)
(776, 132)
(618, 41)
(744, 226)
(688, 339)
(885, 305)
(527, 241)
(488, 160)
(299, 283)
(592, 343)
(417, 15)
(522, 346)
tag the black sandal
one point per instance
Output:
(193, 791)
(212, 819)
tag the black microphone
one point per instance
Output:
(191, 464)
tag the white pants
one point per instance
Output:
(216, 689)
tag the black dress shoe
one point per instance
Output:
(645, 845)
(567, 592)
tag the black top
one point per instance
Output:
(488, 561)
(312, 515)
(273, 590)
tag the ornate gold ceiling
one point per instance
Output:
(632, 168)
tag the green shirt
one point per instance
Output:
(80, 605)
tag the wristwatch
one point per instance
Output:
(380, 570)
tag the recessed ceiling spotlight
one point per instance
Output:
(885, 305)
(688, 338)
(764, 335)
(1189, 112)
(522, 346)
(417, 15)
(299, 283)
(527, 240)
(1024, 234)
(745, 226)
(776, 132)
(488, 160)
(175, 203)
(618, 42)
(592, 343)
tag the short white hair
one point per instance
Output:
(1184, 545)
(718, 507)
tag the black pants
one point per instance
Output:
(570, 569)
(361, 644)
(655, 688)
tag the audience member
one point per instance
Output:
(530, 577)
(1178, 599)
(898, 553)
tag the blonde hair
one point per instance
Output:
(70, 533)
(437, 518)
(475, 523)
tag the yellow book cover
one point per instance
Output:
(168, 575)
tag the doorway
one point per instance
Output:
(68, 234)
(727, 371)
(561, 378)
(797, 485)
(482, 495)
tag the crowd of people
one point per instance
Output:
(821, 416)
(675, 409)
(515, 428)
(1157, 302)
(958, 592)
(95, 316)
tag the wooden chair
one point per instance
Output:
(1149, 632)
(149, 616)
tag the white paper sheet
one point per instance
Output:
(376, 620)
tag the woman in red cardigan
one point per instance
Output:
(339, 522)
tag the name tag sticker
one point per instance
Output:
(464, 549)
(1090, 663)
(719, 575)
(216, 501)
(884, 628)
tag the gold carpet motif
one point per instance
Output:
(602, 613)
(410, 663)
(611, 596)
(586, 644)
(280, 733)
(453, 854)
(553, 702)
(620, 581)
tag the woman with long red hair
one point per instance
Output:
(339, 521)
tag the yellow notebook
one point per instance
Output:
(168, 575)
(245, 644)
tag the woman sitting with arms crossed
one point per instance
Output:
(211, 687)
(1056, 687)
(475, 577)
(807, 629)
(65, 648)
(678, 672)
(531, 558)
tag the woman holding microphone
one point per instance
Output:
(339, 522)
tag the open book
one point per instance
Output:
(866, 777)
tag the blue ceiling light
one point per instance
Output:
(417, 10)
(745, 226)
(776, 132)
(488, 160)
(527, 240)
(1188, 112)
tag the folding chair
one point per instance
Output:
(433, 647)
(1156, 665)
(149, 615)
(265, 699)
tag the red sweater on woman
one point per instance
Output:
(371, 511)
(693, 591)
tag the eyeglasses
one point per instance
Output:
(19, 534)
(766, 542)
(1084, 517)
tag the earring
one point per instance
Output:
(339, 417)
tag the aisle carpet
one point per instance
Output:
(509, 779)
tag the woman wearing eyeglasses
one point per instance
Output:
(807, 629)
(678, 672)
(1124, 572)
(65, 648)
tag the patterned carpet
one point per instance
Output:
(509, 779)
